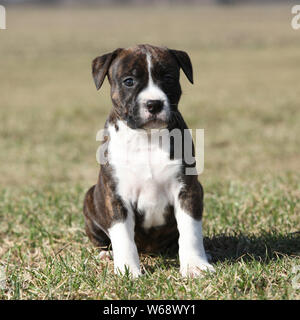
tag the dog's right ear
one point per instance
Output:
(100, 66)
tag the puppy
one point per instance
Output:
(144, 200)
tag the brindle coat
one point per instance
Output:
(102, 204)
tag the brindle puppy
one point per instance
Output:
(145, 201)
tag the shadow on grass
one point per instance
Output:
(231, 248)
(263, 248)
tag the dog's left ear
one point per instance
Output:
(100, 66)
(184, 62)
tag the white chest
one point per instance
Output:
(146, 177)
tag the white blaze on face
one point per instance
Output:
(152, 92)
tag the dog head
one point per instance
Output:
(145, 88)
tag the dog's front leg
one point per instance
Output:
(192, 256)
(125, 252)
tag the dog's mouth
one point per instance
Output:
(154, 123)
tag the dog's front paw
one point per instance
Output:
(124, 269)
(194, 269)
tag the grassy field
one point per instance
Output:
(246, 96)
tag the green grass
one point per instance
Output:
(246, 97)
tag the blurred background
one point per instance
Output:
(134, 2)
(246, 93)
(246, 60)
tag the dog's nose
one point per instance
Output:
(154, 106)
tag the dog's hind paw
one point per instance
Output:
(105, 255)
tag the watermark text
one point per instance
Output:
(155, 146)
(296, 19)
(2, 278)
(2, 17)
(296, 277)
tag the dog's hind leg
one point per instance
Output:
(94, 231)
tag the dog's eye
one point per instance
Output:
(129, 82)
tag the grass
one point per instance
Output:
(246, 97)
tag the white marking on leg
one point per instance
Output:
(192, 255)
(125, 252)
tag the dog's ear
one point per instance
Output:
(184, 62)
(100, 66)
